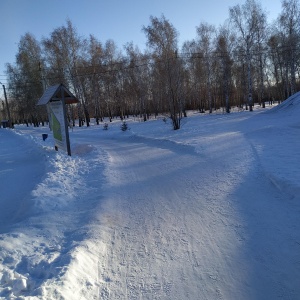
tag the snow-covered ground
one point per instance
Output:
(211, 211)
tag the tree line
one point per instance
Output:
(244, 61)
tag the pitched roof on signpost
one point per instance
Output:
(53, 93)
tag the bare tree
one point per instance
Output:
(65, 64)
(205, 45)
(289, 22)
(162, 40)
(195, 68)
(94, 67)
(260, 52)
(224, 47)
(24, 80)
(232, 65)
(247, 18)
(138, 82)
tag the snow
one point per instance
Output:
(210, 211)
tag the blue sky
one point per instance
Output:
(120, 20)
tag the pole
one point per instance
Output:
(7, 108)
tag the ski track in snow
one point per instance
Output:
(136, 217)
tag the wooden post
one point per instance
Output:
(65, 121)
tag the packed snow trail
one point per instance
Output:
(182, 225)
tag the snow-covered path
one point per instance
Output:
(190, 226)
(154, 214)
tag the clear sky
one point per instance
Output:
(120, 20)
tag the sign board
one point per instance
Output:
(55, 98)
(58, 125)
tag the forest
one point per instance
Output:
(244, 61)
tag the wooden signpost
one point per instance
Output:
(56, 98)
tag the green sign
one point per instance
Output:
(59, 126)
(56, 128)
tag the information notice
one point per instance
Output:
(58, 125)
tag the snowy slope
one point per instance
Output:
(207, 212)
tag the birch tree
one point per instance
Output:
(195, 67)
(260, 47)
(224, 46)
(289, 21)
(64, 57)
(162, 40)
(24, 80)
(246, 19)
(95, 61)
(205, 45)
